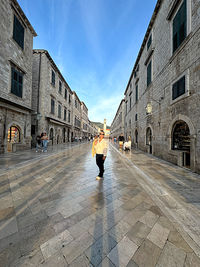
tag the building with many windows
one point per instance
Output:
(84, 121)
(52, 100)
(16, 41)
(117, 125)
(162, 97)
(77, 129)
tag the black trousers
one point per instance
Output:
(100, 164)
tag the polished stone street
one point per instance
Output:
(53, 212)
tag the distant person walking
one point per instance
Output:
(38, 142)
(121, 140)
(44, 139)
(100, 147)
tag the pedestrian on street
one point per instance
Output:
(44, 139)
(100, 148)
(121, 140)
(38, 142)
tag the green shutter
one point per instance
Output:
(149, 74)
(136, 93)
(180, 26)
(18, 32)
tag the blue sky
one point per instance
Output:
(94, 43)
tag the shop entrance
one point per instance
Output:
(181, 141)
(13, 137)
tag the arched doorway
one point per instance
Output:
(181, 141)
(51, 135)
(14, 137)
(149, 140)
(68, 131)
(64, 131)
(136, 138)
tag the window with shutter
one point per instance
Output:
(149, 42)
(136, 93)
(178, 88)
(149, 73)
(59, 111)
(65, 115)
(18, 32)
(17, 82)
(65, 93)
(52, 106)
(53, 78)
(180, 26)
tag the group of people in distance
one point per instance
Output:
(122, 144)
(41, 142)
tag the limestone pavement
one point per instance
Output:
(54, 213)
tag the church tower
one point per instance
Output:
(104, 126)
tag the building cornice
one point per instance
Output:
(150, 26)
(43, 51)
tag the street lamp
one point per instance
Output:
(149, 105)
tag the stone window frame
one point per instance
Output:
(149, 41)
(187, 87)
(53, 80)
(65, 114)
(66, 93)
(19, 71)
(53, 99)
(170, 17)
(59, 110)
(60, 87)
(69, 116)
(18, 17)
(136, 93)
(148, 64)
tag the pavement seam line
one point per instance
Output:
(183, 229)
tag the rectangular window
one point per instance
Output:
(59, 111)
(126, 108)
(52, 106)
(65, 93)
(76, 103)
(178, 88)
(18, 32)
(136, 117)
(180, 26)
(69, 98)
(65, 114)
(16, 82)
(53, 78)
(69, 115)
(149, 74)
(136, 93)
(60, 87)
(149, 42)
(130, 102)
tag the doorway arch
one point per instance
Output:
(149, 140)
(181, 141)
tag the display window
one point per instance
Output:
(13, 135)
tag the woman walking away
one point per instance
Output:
(44, 139)
(100, 148)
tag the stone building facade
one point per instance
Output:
(77, 129)
(84, 121)
(16, 42)
(162, 96)
(117, 126)
(52, 100)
